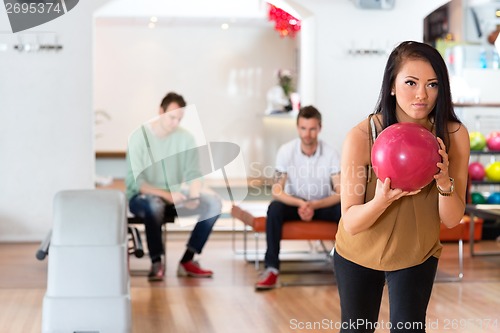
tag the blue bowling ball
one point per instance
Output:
(494, 198)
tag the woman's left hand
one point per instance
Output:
(443, 177)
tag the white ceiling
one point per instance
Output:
(215, 9)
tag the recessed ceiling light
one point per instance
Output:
(224, 26)
(153, 19)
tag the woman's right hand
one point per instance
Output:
(385, 195)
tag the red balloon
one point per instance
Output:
(493, 141)
(476, 171)
(406, 153)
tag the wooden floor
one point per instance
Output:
(228, 303)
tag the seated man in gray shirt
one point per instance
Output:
(306, 187)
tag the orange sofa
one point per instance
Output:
(462, 231)
(292, 230)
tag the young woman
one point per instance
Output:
(387, 235)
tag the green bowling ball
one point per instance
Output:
(477, 198)
(477, 141)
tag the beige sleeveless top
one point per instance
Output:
(405, 235)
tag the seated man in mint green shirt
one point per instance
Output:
(161, 157)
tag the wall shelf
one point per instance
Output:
(476, 105)
(485, 182)
(485, 152)
(110, 154)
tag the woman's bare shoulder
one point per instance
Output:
(457, 129)
(459, 138)
(361, 130)
(358, 138)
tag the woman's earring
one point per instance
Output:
(392, 93)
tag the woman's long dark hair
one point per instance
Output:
(443, 110)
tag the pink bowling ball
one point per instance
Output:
(493, 141)
(476, 171)
(407, 153)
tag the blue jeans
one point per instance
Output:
(152, 210)
(279, 213)
(361, 288)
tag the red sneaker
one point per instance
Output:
(193, 269)
(269, 280)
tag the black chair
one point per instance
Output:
(136, 245)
